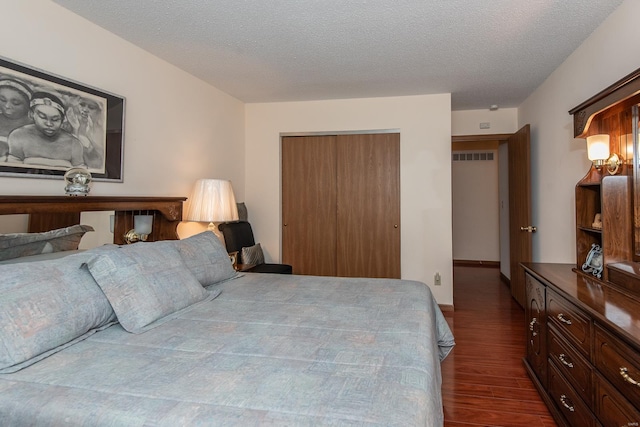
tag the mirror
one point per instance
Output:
(634, 143)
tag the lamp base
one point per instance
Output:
(214, 229)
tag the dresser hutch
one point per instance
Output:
(583, 332)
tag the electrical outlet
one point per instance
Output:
(437, 280)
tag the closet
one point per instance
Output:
(341, 204)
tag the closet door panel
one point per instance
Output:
(309, 204)
(368, 205)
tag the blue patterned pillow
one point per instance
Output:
(146, 283)
(206, 258)
(46, 306)
(17, 245)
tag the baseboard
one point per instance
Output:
(446, 307)
(505, 279)
(474, 263)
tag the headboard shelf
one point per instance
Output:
(51, 212)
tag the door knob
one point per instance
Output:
(529, 229)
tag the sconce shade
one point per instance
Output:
(143, 224)
(628, 138)
(598, 147)
(142, 227)
(212, 200)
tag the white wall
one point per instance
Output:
(559, 160)
(177, 128)
(503, 196)
(424, 123)
(467, 122)
(476, 232)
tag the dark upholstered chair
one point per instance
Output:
(238, 235)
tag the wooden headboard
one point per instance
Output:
(51, 212)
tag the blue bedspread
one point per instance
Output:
(270, 350)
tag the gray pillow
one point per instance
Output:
(146, 283)
(47, 306)
(17, 245)
(253, 255)
(206, 258)
(242, 212)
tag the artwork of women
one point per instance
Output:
(15, 97)
(47, 127)
(84, 117)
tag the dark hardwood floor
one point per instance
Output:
(484, 382)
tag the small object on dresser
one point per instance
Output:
(593, 263)
(597, 222)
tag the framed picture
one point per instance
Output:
(49, 124)
(233, 256)
(594, 263)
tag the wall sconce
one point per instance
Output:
(598, 153)
(212, 200)
(629, 147)
(142, 226)
(598, 149)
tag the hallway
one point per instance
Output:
(484, 382)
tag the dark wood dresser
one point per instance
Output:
(583, 347)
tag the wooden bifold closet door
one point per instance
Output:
(341, 204)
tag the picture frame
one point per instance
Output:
(88, 115)
(233, 257)
(594, 263)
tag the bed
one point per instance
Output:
(166, 333)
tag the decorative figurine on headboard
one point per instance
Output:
(597, 222)
(78, 180)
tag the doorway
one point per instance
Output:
(514, 186)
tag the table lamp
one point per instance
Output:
(212, 201)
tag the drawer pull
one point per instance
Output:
(624, 373)
(564, 399)
(564, 319)
(532, 325)
(563, 359)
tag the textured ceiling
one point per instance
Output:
(481, 51)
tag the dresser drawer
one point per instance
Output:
(568, 401)
(573, 366)
(612, 409)
(569, 321)
(618, 363)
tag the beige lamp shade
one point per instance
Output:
(212, 200)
